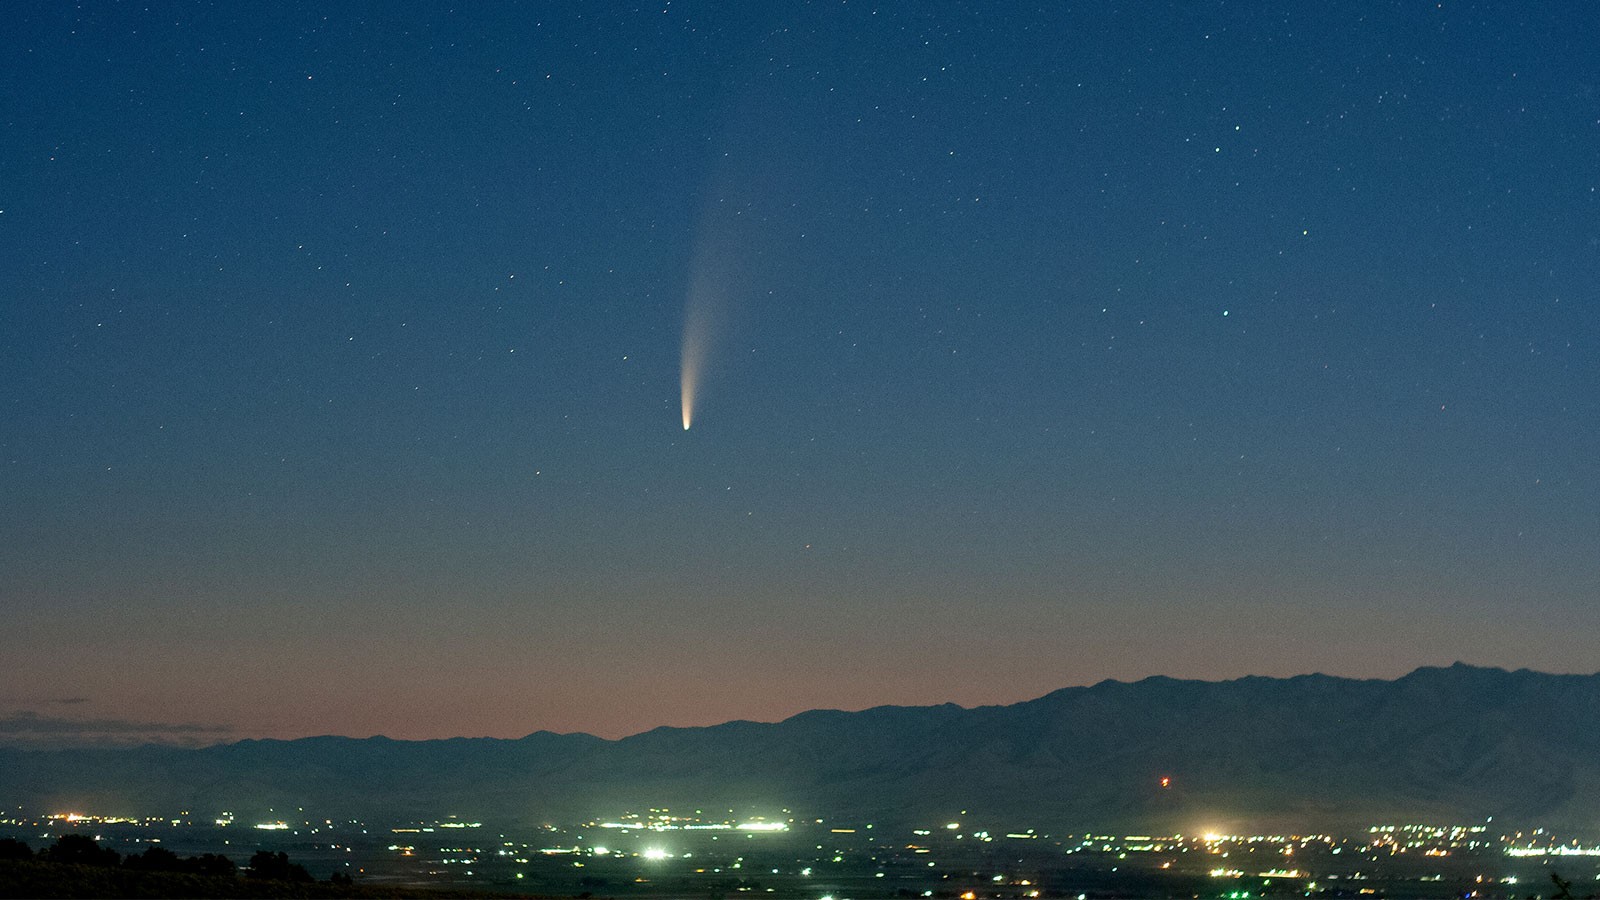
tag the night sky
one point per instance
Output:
(340, 356)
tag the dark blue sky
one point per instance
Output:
(339, 355)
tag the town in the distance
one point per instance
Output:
(787, 854)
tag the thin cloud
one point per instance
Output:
(30, 729)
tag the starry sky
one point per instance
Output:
(1038, 344)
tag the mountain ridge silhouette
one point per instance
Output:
(1454, 744)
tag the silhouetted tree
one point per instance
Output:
(276, 866)
(80, 849)
(211, 864)
(10, 848)
(1563, 887)
(341, 879)
(156, 859)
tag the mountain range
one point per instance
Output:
(1452, 745)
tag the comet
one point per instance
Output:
(703, 311)
(693, 356)
(716, 279)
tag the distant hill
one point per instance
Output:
(1455, 745)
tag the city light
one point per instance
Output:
(763, 826)
(630, 847)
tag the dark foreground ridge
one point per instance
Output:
(1440, 744)
(77, 866)
(41, 879)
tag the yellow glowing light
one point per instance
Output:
(763, 826)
